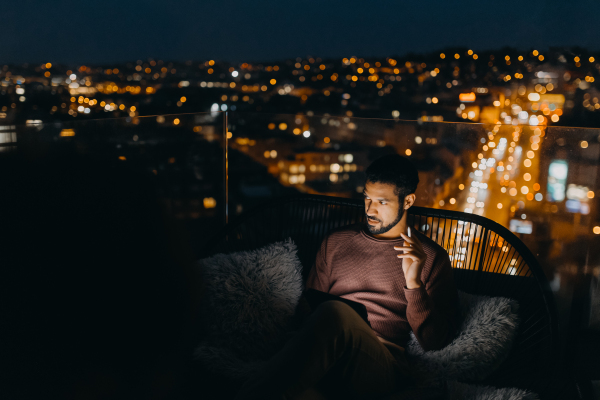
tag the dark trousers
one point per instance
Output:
(335, 354)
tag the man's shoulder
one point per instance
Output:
(430, 246)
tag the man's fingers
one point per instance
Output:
(407, 239)
(408, 255)
(411, 250)
(403, 248)
(412, 240)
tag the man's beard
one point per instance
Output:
(386, 228)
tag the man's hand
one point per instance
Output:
(413, 260)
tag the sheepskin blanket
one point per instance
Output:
(249, 300)
(486, 332)
(463, 391)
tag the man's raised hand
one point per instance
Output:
(413, 260)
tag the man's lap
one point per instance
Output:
(368, 366)
(334, 353)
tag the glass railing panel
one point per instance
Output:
(184, 152)
(538, 181)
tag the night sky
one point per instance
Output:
(108, 31)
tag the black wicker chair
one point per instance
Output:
(487, 259)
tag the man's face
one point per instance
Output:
(382, 207)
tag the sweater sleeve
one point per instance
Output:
(318, 277)
(431, 309)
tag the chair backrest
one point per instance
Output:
(487, 259)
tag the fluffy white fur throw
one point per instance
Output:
(486, 332)
(249, 300)
(462, 391)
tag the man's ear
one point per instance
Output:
(409, 200)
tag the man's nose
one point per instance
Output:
(370, 208)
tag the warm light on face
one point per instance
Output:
(381, 206)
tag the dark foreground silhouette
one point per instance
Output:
(97, 292)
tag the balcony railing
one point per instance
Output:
(539, 181)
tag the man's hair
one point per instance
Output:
(393, 169)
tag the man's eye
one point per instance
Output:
(383, 202)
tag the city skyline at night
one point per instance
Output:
(504, 85)
(175, 144)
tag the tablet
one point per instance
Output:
(316, 297)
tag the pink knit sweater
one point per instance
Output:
(354, 265)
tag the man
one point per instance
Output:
(405, 282)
